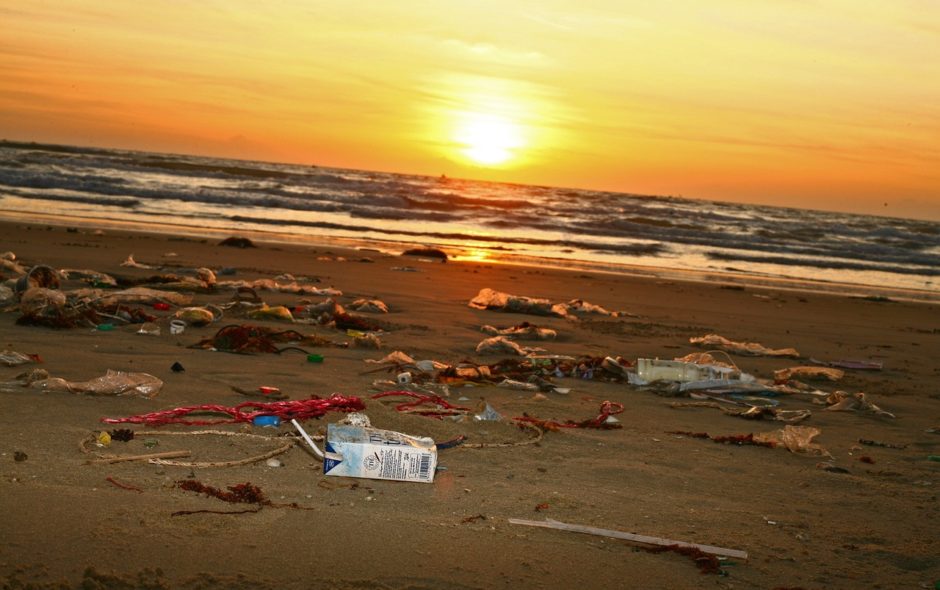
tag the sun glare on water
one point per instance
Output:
(487, 139)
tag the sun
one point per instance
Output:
(487, 139)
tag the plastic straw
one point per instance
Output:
(303, 433)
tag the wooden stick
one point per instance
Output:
(166, 455)
(589, 530)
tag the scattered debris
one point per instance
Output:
(742, 348)
(797, 439)
(266, 312)
(436, 405)
(496, 300)
(647, 540)
(113, 383)
(737, 439)
(368, 306)
(247, 339)
(358, 451)
(840, 401)
(131, 263)
(314, 407)
(825, 373)
(602, 421)
(502, 345)
(123, 486)
(197, 316)
(11, 358)
(749, 412)
(148, 457)
(523, 331)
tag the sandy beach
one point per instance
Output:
(864, 518)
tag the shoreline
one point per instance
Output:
(392, 247)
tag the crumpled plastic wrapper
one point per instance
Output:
(11, 358)
(113, 383)
(797, 439)
(266, 312)
(195, 316)
(840, 401)
(368, 306)
(393, 358)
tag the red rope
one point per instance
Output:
(443, 407)
(285, 410)
(608, 408)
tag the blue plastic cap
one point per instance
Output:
(273, 421)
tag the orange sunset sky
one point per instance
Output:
(825, 104)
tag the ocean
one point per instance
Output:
(474, 220)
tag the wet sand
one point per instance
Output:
(64, 525)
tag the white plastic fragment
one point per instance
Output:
(589, 530)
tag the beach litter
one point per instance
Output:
(523, 331)
(796, 439)
(603, 421)
(92, 277)
(359, 451)
(141, 295)
(129, 262)
(368, 306)
(172, 458)
(198, 316)
(748, 412)
(823, 373)
(666, 544)
(266, 312)
(306, 409)
(11, 358)
(424, 404)
(113, 383)
(742, 348)
(489, 299)
(247, 339)
(502, 345)
(840, 401)
(292, 287)
(39, 276)
(652, 370)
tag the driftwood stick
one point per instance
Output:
(119, 459)
(589, 530)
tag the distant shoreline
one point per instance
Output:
(730, 279)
